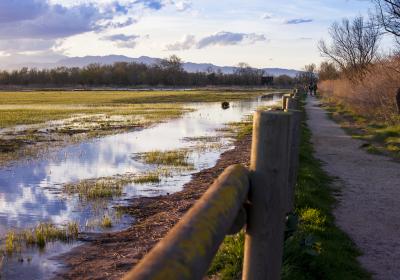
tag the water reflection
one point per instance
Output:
(30, 190)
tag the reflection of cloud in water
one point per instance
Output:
(27, 189)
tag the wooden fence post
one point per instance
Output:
(284, 101)
(291, 104)
(269, 181)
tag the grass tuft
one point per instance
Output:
(39, 236)
(95, 189)
(179, 158)
(106, 222)
(150, 177)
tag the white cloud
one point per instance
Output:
(267, 16)
(122, 40)
(224, 38)
(183, 5)
(187, 43)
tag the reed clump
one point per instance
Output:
(39, 236)
(106, 222)
(178, 158)
(149, 177)
(97, 188)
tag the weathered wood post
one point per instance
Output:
(398, 100)
(269, 179)
(285, 98)
(292, 104)
(295, 128)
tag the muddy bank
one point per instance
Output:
(109, 256)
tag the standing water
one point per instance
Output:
(31, 190)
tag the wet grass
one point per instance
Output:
(88, 114)
(109, 187)
(149, 177)
(37, 107)
(125, 97)
(135, 114)
(39, 236)
(241, 129)
(178, 158)
(315, 248)
(97, 188)
(106, 222)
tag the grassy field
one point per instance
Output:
(315, 248)
(35, 107)
(87, 114)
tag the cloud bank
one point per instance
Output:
(122, 40)
(222, 38)
(38, 25)
(298, 21)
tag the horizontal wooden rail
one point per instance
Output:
(188, 249)
(267, 189)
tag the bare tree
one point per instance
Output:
(247, 74)
(307, 77)
(354, 45)
(327, 71)
(173, 63)
(389, 16)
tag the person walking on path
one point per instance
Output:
(315, 88)
(369, 203)
(310, 89)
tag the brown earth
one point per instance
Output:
(109, 256)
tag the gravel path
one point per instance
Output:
(369, 202)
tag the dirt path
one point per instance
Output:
(369, 202)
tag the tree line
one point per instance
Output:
(355, 44)
(359, 72)
(168, 72)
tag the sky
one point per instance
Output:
(262, 33)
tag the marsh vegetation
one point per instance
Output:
(39, 236)
(32, 121)
(173, 158)
(91, 177)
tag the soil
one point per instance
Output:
(109, 256)
(368, 205)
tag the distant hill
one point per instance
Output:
(110, 59)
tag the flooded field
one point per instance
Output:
(81, 183)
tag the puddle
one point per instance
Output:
(31, 190)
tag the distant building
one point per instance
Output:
(267, 80)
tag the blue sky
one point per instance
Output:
(263, 33)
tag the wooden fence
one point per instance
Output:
(257, 198)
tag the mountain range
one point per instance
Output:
(110, 59)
